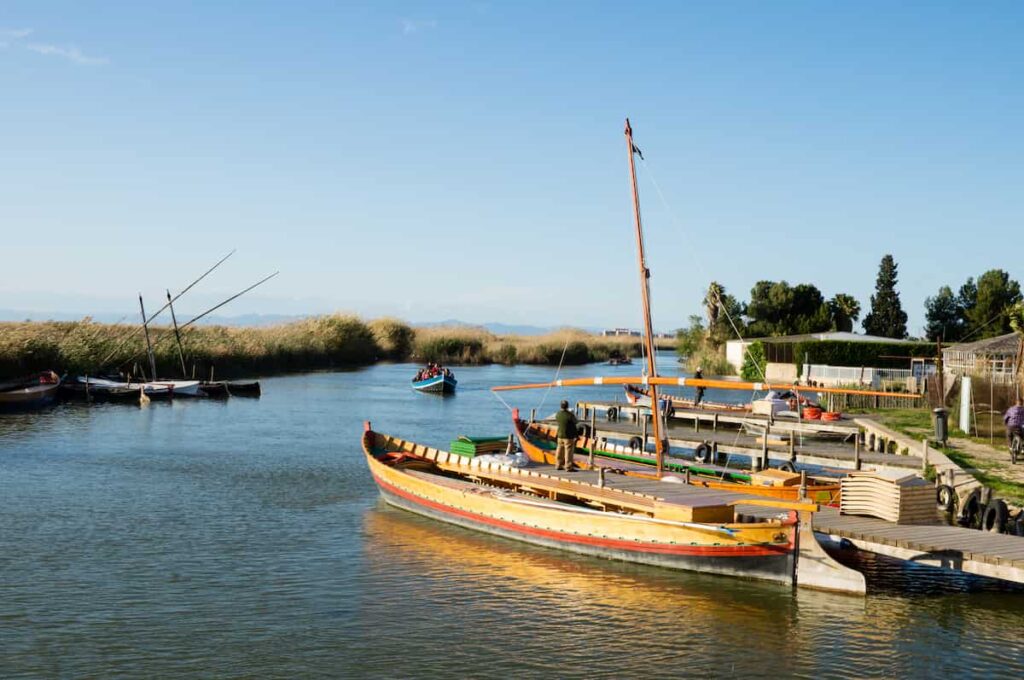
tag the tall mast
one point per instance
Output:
(645, 293)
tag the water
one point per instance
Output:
(246, 538)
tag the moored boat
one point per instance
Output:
(29, 393)
(640, 396)
(539, 508)
(154, 389)
(538, 441)
(244, 388)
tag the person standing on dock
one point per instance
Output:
(567, 433)
(699, 375)
(1014, 420)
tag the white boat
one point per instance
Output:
(152, 388)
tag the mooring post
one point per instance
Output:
(696, 422)
(803, 484)
(593, 422)
(533, 415)
(924, 456)
(856, 452)
(644, 433)
(792, 447)
(600, 477)
(764, 450)
(714, 425)
(687, 475)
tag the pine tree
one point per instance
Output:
(943, 317)
(886, 318)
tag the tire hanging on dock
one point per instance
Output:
(612, 413)
(788, 466)
(972, 511)
(702, 453)
(636, 443)
(994, 519)
(945, 498)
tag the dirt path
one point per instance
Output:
(994, 461)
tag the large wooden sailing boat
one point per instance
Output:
(657, 523)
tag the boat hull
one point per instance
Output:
(763, 551)
(440, 384)
(29, 398)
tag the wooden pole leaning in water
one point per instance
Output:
(149, 345)
(645, 275)
(177, 335)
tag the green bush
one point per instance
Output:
(846, 353)
(754, 363)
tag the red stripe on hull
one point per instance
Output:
(629, 546)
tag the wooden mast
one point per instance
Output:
(149, 345)
(645, 275)
(177, 335)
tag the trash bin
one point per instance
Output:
(941, 425)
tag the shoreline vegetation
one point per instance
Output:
(315, 343)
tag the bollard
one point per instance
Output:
(643, 434)
(803, 484)
(687, 475)
(600, 477)
(696, 422)
(856, 453)
(714, 424)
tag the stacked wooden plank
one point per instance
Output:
(470, 447)
(892, 495)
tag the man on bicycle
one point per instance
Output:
(1014, 420)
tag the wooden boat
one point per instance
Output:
(120, 395)
(538, 440)
(443, 383)
(154, 389)
(620, 361)
(244, 389)
(640, 396)
(214, 390)
(546, 510)
(30, 393)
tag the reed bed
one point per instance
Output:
(315, 343)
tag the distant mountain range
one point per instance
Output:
(495, 327)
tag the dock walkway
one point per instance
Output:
(981, 553)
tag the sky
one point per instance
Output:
(466, 160)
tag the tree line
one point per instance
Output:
(982, 308)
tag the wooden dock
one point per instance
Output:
(720, 432)
(969, 551)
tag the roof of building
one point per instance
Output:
(1000, 345)
(844, 336)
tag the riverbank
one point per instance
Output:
(315, 343)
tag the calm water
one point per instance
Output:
(247, 539)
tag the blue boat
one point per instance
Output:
(442, 383)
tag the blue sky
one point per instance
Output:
(466, 159)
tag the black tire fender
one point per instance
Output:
(702, 453)
(636, 443)
(788, 466)
(945, 498)
(972, 510)
(994, 519)
(612, 413)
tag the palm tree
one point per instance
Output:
(712, 305)
(845, 310)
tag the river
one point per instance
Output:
(246, 538)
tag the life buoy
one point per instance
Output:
(702, 453)
(994, 519)
(788, 467)
(612, 413)
(636, 443)
(972, 510)
(945, 498)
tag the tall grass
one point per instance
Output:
(323, 342)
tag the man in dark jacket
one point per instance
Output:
(567, 434)
(699, 375)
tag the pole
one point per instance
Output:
(149, 345)
(177, 336)
(121, 344)
(645, 275)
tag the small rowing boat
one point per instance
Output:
(154, 389)
(640, 396)
(29, 393)
(443, 382)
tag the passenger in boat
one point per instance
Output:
(567, 433)
(1014, 421)
(699, 375)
